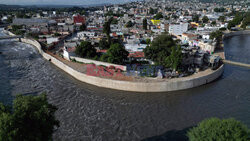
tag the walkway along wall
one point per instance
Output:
(83, 60)
(168, 85)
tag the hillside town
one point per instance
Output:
(133, 29)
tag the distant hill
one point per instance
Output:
(216, 1)
(11, 7)
(3, 6)
(219, 1)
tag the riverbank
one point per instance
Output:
(162, 85)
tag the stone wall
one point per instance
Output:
(87, 61)
(8, 33)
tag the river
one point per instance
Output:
(87, 112)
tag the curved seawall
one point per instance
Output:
(195, 80)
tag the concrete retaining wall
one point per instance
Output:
(168, 85)
(83, 60)
(9, 33)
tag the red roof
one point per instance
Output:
(114, 34)
(136, 55)
(71, 49)
(79, 19)
(102, 51)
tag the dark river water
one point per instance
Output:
(87, 112)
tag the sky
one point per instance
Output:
(60, 2)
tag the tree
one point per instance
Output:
(106, 29)
(9, 20)
(148, 41)
(217, 36)
(85, 50)
(205, 19)
(195, 18)
(168, 9)
(32, 118)
(222, 9)
(159, 49)
(158, 16)
(57, 34)
(16, 29)
(116, 54)
(83, 27)
(103, 44)
(152, 11)
(114, 21)
(167, 18)
(246, 21)
(129, 24)
(174, 60)
(215, 129)
(213, 23)
(145, 24)
(236, 21)
(222, 18)
(174, 16)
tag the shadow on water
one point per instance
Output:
(237, 48)
(14, 57)
(173, 135)
(5, 84)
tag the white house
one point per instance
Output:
(205, 46)
(69, 49)
(61, 24)
(99, 12)
(178, 29)
(86, 34)
(206, 36)
(115, 28)
(186, 38)
(52, 40)
(4, 18)
(135, 47)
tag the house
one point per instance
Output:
(194, 24)
(115, 28)
(155, 22)
(31, 22)
(138, 56)
(135, 47)
(206, 36)
(86, 34)
(178, 29)
(79, 20)
(206, 46)
(69, 49)
(52, 40)
(187, 37)
(4, 18)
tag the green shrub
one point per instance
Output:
(31, 118)
(215, 129)
(73, 60)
